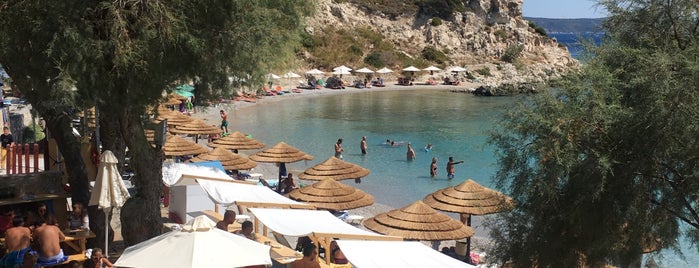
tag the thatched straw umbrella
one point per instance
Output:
(173, 101)
(334, 169)
(418, 221)
(281, 153)
(332, 195)
(196, 127)
(468, 198)
(173, 118)
(229, 160)
(237, 141)
(177, 146)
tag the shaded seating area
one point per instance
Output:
(405, 81)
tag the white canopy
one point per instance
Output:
(384, 70)
(411, 69)
(291, 75)
(388, 254)
(273, 76)
(226, 194)
(173, 174)
(302, 222)
(457, 69)
(364, 70)
(198, 244)
(342, 69)
(315, 71)
(431, 68)
(341, 72)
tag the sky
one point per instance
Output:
(562, 9)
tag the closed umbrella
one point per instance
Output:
(469, 198)
(198, 244)
(109, 191)
(333, 195)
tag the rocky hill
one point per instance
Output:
(488, 37)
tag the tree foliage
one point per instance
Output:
(122, 55)
(604, 168)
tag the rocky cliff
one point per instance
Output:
(476, 38)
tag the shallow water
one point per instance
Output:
(455, 124)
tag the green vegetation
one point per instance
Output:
(538, 29)
(443, 9)
(436, 21)
(606, 166)
(32, 133)
(121, 55)
(512, 53)
(431, 53)
(485, 71)
(500, 33)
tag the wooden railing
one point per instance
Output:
(19, 158)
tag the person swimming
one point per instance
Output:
(428, 148)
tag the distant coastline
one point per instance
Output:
(583, 25)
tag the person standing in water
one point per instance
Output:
(411, 152)
(362, 145)
(433, 167)
(450, 167)
(338, 149)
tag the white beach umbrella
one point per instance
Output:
(364, 71)
(315, 72)
(457, 69)
(291, 75)
(384, 70)
(411, 69)
(342, 69)
(431, 69)
(198, 244)
(341, 72)
(272, 76)
(109, 191)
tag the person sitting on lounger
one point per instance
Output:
(228, 219)
(336, 255)
(309, 258)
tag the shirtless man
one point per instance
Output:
(411, 152)
(450, 167)
(338, 149)
(17, 241)
(224, 121)
(362, 145)
(309, 258)
(228, 219)
(49, 239)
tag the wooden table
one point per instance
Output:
(280, 253)
(78, 240)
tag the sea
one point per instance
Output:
(455, 124)
(574, 41)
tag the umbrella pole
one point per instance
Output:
(468, 241)
(106, 232)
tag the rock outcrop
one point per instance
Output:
(475, 39)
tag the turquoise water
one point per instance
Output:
(455, 124)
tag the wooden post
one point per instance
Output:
(36, 157)
(14, 159)
(19, 159)
(26, 158)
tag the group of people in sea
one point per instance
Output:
(410, 155)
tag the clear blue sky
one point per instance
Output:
(568, 9)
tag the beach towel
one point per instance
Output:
(14, 258)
